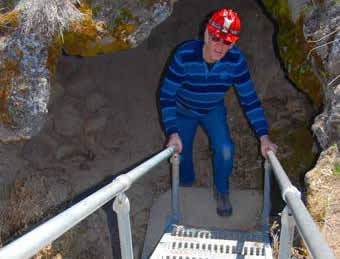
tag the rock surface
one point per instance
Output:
(320, 25)
(29, 48)
(68, 121)
(323, 187)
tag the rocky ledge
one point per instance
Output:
(34, 32)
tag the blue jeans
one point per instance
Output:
(215, 125)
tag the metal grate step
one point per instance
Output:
(181, 242)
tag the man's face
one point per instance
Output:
(216, 48)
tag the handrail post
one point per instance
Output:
(266, 207)
(309, 231)
(287, 234)
(266, 199)
(175, 160)
(121, 206)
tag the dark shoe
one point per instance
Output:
(223, 204)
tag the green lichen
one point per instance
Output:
(279, 9)
(85, 40)
(96, 10)
(336, 171)
(54, 51)
(124, 26)
(8, 71)
(8, 22)
(294, 50)
(82, 38)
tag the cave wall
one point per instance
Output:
(99, 115)
(309, 41)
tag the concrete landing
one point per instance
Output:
(198, 209)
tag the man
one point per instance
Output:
(193, 93)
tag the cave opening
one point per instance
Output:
(104, 118)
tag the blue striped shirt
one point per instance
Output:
(191, 89)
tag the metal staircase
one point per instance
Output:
(183, 242)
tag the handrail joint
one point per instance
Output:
(291, 189)
(125, 180)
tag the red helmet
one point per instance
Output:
(225, 24)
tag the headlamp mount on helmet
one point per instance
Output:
(223, 29)
(225, 23)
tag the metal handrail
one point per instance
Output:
(315, 243)
(46, 233)
(32, 242)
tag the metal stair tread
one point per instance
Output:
(182, 242)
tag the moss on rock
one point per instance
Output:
(54, 51)
(8, 21)
(89, 38)
(294, 50)
(9, 69)
(336, 171)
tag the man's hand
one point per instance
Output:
(175, 140)
(267, 145)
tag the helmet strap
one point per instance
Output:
(206, 36)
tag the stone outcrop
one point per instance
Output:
(323, 192)
(315, 27)
(28, 57)
(311, 57)
(32, 34)
(322, 29)
(327, 124)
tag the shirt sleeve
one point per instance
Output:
(250, 103)
(173, 80)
